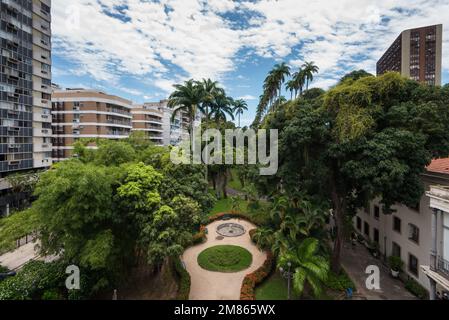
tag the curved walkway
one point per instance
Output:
(208, 285)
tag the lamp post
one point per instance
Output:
(287, 274)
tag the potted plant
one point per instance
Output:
(396, 265)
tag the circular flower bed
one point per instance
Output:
(225, 259)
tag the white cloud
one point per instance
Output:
(163, 39)
(248, 97)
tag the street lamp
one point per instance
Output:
(287, 274)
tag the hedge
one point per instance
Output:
(418, 290)
(251, 280)
(184, 280)
(232, 215)
(199, 237)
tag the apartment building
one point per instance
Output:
(407, 232)
(157, 121)
(25, 85)
(81, 113)
(154, 119)
(416, 54)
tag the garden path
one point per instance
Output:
(208, 285)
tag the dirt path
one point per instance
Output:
(208, 285)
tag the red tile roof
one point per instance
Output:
(439, 166)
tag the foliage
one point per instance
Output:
(247, 291)
(183, 279)
(417, 289)
(395, 263)
(273, 288)
(33, 280)
(3, 269)
(21, 182)
(366, 138)
(114, 153)
(15, 227)
(309, 268)
(339, 282)
(356, 75)
(225, 258)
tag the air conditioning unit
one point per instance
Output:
(14, 163)
(14, 146)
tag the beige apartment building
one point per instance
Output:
(81, 113)
(408, 232)
(156, 120)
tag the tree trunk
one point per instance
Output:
(339, 211)
(206, 167)
(224, 185)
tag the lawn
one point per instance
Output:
(274, 288)
(225, 259)
(259, 216)
(235, 181)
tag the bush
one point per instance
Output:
(339, 282)
(395, 263)
(183, 280)
(199, 237)
(3, 269)
(35, 278)
(417, 289)
(51, 295)
(251, 280)
(221, 216)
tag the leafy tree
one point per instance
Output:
(356, 75)
(114, 153)
(310, 269)
(368, 138)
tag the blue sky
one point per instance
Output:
(138, 49)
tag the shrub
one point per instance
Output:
(339, 282)
(34, 278)
(251, 280)
(183, 280)
(51, 294)
(417, 289)
(199, 237)
(3, 269)
(395, 263)
(235, 215)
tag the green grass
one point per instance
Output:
(225, 259)
(225, 205)
(274, 288)
(235, 181)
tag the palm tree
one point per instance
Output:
(291, 86)
(187, 97)
(309, 69)
(222, 107)
(299, 81)
(263, 237)
(210, 92)
(240, 106)
(310, 268)
(280, 71)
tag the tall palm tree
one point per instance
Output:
(309, 69)
(299, 81)
(210, 90)
(310, 268)
(280, 71)
(291, 86)
(240, 106)
(187, 97)
(222, 108)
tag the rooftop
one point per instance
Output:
(439, 166)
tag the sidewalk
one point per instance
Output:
(356, 260)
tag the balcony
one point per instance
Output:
(442, 267)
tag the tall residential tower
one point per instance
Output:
(416, 54)
(25, 85)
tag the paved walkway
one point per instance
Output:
(208, 285)
(356, 260)
(17, 258)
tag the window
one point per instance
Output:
(376, 212)
(359, 224)
(397, 224)
(413, 233)
(376, 235)
(395, 250)
(413, 264)
(366, 229)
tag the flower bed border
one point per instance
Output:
(250, 282)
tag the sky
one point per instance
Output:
(138, 49)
